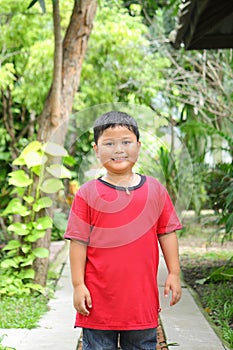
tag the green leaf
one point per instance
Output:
(35, 286)
(34, 159)
(55, 150)
(32, 3)
(16, 207)
(26, 248)
(60, 221)
(229, 223)
(59, 171)
(41, 252)
(69, 160)
(35, 235)
(51, 185)
(13, 244)
(28, 261)
(24, 274)
(19, 178)
(28, 199)
(43, 223)
(202, 281)
(36, 169)
(19, 161)
(5, 264)
(19, 228)
(44, 202)
(31, 147)
(19, 191)
(41, 2)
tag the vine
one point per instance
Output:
(23, 211)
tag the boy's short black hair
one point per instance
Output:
(112, 119)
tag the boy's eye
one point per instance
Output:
(108, 144)
(126, 142)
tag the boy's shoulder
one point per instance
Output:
(154, 181)
(87, 186)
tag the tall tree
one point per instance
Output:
(68, 58)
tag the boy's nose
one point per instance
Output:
(118, 148)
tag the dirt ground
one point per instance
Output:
(194, 268)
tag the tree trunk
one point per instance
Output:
(68, 59)
(53, 120)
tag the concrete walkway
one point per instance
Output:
(184, 324)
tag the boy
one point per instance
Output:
(114, 226)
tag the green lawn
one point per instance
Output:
(22, 312)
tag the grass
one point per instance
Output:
(22, 312)
(25, 312)
(217, 301)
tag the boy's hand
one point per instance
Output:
(173, 284)
(82, 299)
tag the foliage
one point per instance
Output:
(119, 65)
(28, 201)
(59, 225)
(223, 273)
(41, 2)
(219, 185)
(25, 58)
(197, 99)
(26, 54)
(26, 62)
(218, 305)
(167, 162)
(149, 8)
(22, 312)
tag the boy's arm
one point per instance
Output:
(169, 245)
(82, 298)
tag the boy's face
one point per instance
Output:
(117, 149)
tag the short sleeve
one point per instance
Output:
(78, 226)
(168, 220)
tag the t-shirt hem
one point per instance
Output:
(169, 230)
(117, 328)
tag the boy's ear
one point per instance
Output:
(95, 147)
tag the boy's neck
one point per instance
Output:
(125, 180)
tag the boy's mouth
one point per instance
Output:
(119, 159)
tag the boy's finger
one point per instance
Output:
(88, 301)
(83, 310)
(166, 290)
(175, 298)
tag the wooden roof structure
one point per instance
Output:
(204, 24)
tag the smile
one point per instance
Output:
(119, 159)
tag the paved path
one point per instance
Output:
(184, 324)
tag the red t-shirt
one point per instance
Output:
(122, 256)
